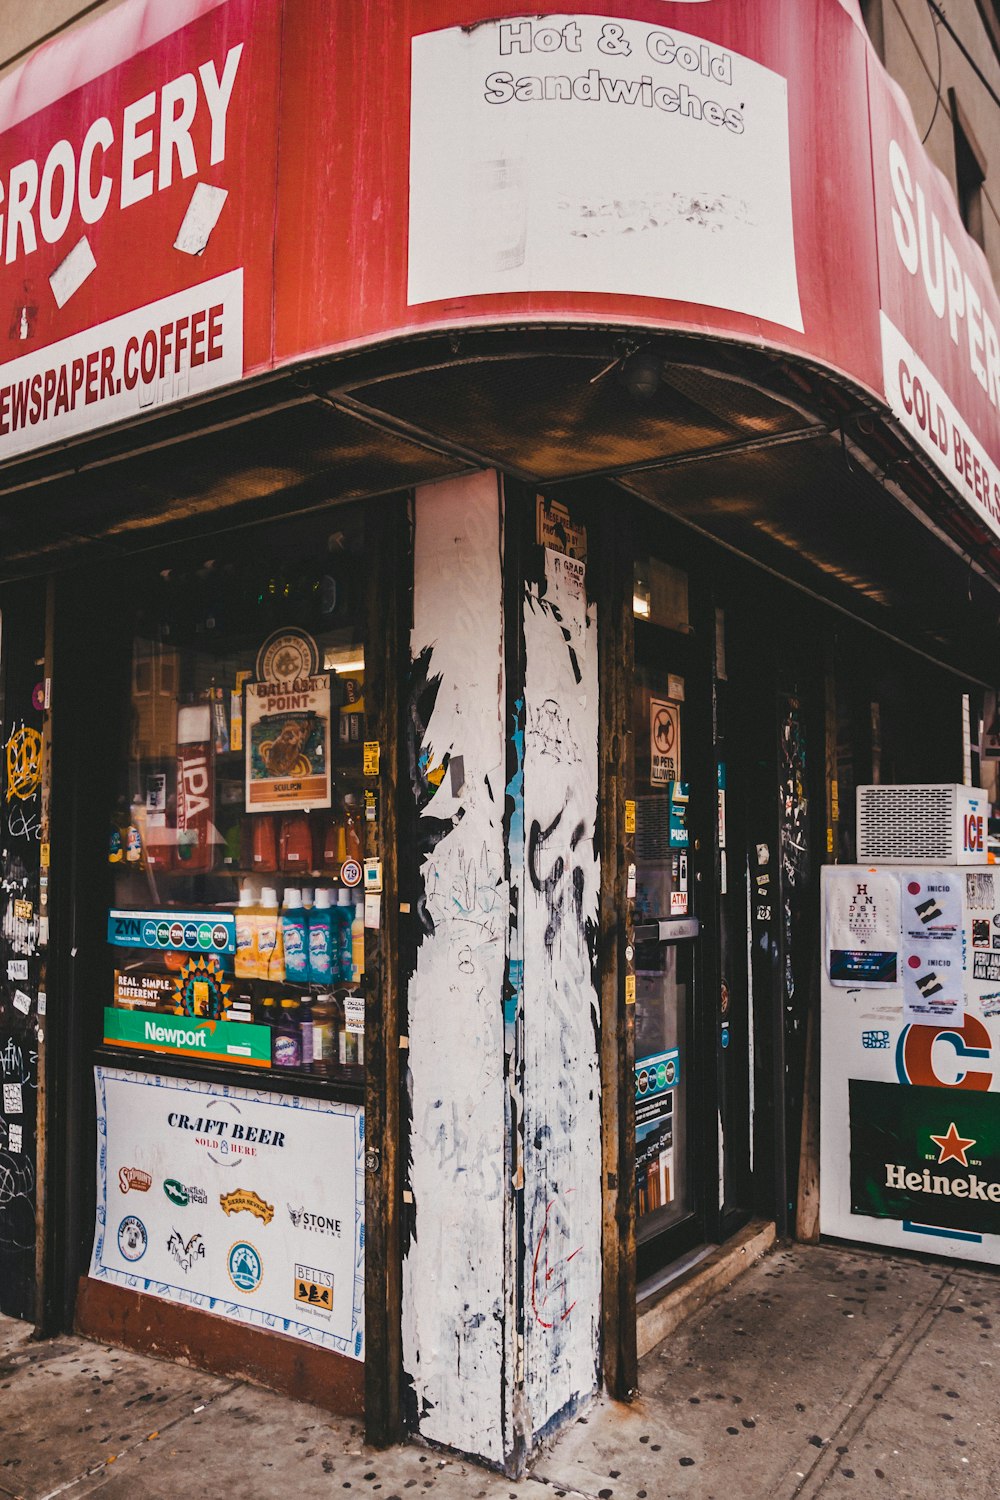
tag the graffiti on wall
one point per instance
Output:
(559, 919)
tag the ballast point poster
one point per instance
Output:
(288, 744)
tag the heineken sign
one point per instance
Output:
(926, 1156)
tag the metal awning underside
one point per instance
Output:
(772, 459)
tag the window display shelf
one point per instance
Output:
(349, 1087)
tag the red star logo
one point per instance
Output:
(953, 1146)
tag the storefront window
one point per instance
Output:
(244, 818)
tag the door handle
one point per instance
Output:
(667, 930)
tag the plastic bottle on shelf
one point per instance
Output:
(116, 841)
(294, 937)
(306, 1031)
(352, 1035)
(268, 935)
(286, 1047)
(295, 850)
(247, 962)
(268, 1017)
(135, 835)
(322, 947)
(334, 850)
(354, 828)
(325, 1035)
(345, 917)
(263, 844)
(308, 898)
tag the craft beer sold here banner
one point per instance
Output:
(245, 1203)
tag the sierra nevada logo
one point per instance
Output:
(242, 1200)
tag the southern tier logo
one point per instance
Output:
(925, 1156)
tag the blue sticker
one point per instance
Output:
(245, 1267)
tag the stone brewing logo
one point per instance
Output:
(317, 1223)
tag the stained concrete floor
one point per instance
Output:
(822, 1372)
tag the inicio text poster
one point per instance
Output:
(245, 1203)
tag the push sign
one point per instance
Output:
(181, 932)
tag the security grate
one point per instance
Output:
(907, 824)
(652, 828)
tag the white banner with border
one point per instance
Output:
(245, 1203)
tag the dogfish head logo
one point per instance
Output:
(963, 1054)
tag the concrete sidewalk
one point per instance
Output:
(821, 1372)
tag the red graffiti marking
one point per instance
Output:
(549, 1273)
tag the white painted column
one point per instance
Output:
(561, 1004)
(457, 1300)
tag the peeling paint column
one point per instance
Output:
(456, 1298)
(559, 892)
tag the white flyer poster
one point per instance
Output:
(245, 1203)
(933, 946)
(933, 982)
(863, 928)
(932, 905)
(593, 153)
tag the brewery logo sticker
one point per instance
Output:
(185, 1252)
(245, 1266)
(134, 1180)
(132, 1238)
(302, 1218)
(243, 1200)
(287, 656)
(181, 1195)
(314, 1287)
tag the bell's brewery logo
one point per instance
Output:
(926, 1156)
(242, 1200)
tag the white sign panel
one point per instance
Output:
(242, 1202)
(591, 154)
(924, 408)
(179, 346)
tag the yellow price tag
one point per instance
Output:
(629, 989)
(629, 815)
(371, 757)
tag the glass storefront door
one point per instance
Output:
(669, 1152)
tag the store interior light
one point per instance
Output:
(343, 659)
(640, 606)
